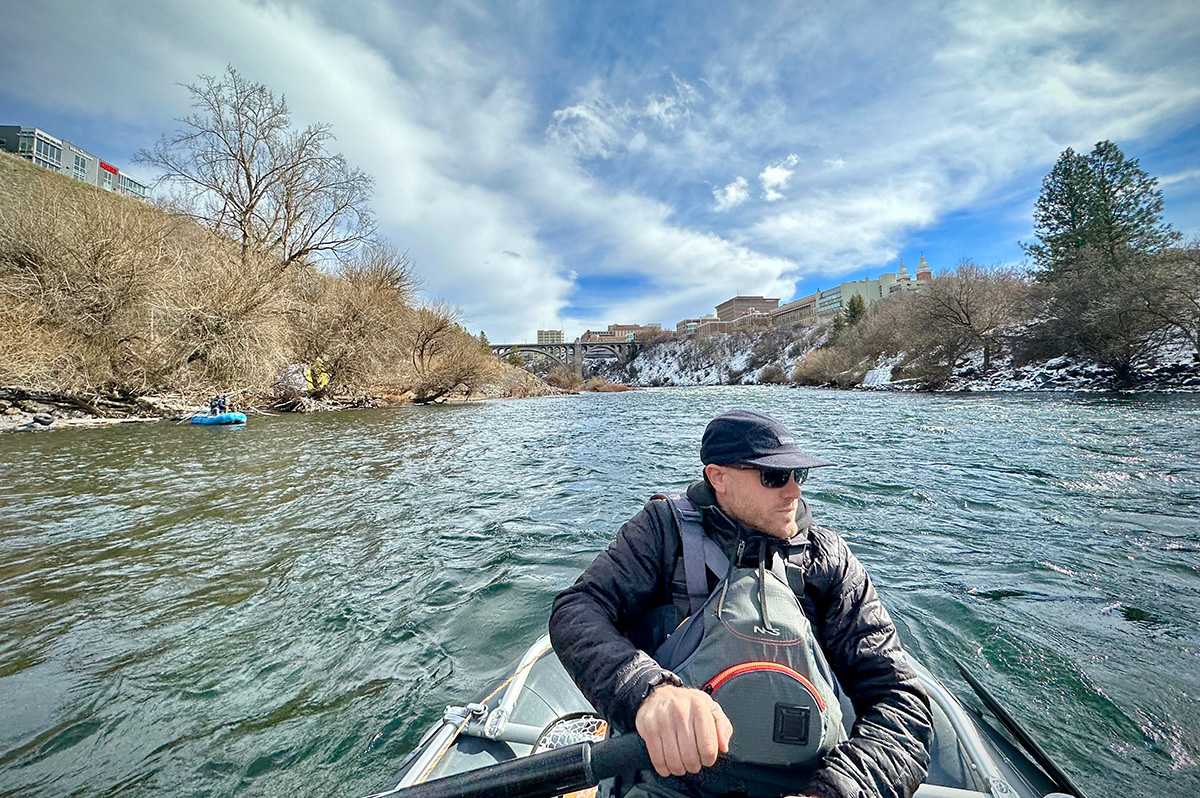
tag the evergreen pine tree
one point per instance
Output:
(1061, 214)
(839, 324)
(1102, 200)
(1099, 232)
(1125, 205)
(856, 310)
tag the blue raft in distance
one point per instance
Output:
(219, 418)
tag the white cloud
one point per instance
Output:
(591, 165)
(732, 195)
(1179, 177)
(969, 121)
(596, 125)
(828, 230)
(591, 128)
(669, 110)
(775, 177)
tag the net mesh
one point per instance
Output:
(569, 730)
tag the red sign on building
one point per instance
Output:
(108, 168)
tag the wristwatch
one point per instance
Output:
(662, 677)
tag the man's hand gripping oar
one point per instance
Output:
(550, 773)
(684, 729)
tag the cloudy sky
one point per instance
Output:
(571, 164)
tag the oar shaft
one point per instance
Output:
(1057, 774)
(541, 775)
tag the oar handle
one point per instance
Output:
(618, 755)
(543, 775)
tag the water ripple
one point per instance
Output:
(281, 609)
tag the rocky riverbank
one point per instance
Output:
(1172, 368)
(24, 410)
(771, 357)
(740, 359)
(27, 410)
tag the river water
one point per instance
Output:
(282, 609)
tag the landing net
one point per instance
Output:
(568, 730)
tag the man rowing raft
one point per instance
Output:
(724, 626)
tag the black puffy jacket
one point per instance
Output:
(887, 754)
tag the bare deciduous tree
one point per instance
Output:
(354, 319)
(459, 366)
(430, 332)
(1168, 289)
(444, 356)
(239, 168)
(976, 304)
(1096, 314)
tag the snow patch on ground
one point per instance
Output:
(739, 358)
(743, 358)
(1171, 368)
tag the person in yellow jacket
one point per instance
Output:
(315, 376)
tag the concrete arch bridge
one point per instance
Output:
(572, 356)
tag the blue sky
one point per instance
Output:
(572, 164)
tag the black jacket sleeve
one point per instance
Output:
(590, 619)
(887, 755)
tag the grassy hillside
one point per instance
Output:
(106, 295)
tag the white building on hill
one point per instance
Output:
(59, 155)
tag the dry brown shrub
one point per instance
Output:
(772, 375)
(889, 327)
(117, 296)
(827, 366)
(355, 320)
(444, 358)
(100, 293)
(79, 267)
(516, 383)
(601, 385)
(564, 380)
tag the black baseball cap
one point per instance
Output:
(745, 437)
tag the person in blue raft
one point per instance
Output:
(220, 404)
(723, 624)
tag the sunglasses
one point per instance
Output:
(776, 477)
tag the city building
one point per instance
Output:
(620, 333)
(832, 300)
(63, 157)
(712, 326)
(753, 317)
(739, 306)
(802, 311)
(550, 337)
(692, 326)
(924, 273)
(821, 306)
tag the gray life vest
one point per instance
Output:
(750, 646)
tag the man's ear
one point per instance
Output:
(716, 478)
